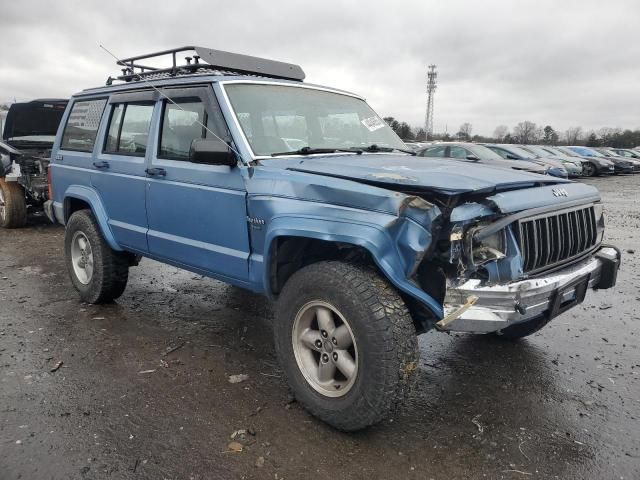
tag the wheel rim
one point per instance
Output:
(590, 169)
(82, 257)
(325, 349)
(3, 206)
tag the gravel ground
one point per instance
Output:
(143, 390)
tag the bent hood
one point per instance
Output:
(442, 176)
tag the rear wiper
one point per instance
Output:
(310, 151)
(376, 148)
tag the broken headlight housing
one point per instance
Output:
(486, 249)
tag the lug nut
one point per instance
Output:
(325, 358)
(323, 333)
(318, 344)
(335, 342)
(335, 357)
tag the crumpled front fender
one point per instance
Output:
(396, 247)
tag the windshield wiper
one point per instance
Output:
(376, 148)
(310, 151)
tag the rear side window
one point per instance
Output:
(181, 125)
(82, 126)
(128, 132)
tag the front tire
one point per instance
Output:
(346, 343)
(13, 205)
(97, 272)
(590, 169)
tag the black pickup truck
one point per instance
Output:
(25, 150)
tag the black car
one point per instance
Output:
(592, 165)
(27, 138)
(620, 165)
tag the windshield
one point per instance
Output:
(586, 152)
(484, 153)
(277, 118)
(521, 152)
(539, 151)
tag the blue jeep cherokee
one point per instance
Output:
(231, 167)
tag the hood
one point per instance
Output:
(35, 121)
(442, 176)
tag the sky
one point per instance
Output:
(559, 63)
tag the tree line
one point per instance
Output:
(526, 132)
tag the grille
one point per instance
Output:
(554, 238)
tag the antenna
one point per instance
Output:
(432, 80)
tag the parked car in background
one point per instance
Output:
(592, 165)
(626, 152)
(515, 152)
(28, 135)
(556, 152)
(573, 167)
(471, 152)
(620, 165)
(614, 156)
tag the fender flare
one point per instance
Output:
(374, 238)
(91, 197)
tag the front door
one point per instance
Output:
(196, 213)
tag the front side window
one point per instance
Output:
(458, 152)
(434, 151)
(276, 119)
(181, 125)
(129, 129)
(82, 125)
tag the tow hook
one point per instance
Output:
(521, 309)
(471, 300)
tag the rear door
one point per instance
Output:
(119, 173)
(197, 213)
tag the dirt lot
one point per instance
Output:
(564, 403)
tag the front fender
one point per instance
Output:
(395, 247)
(91, 197)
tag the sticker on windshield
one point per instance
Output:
(373, 123)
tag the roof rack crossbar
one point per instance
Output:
(207, 59)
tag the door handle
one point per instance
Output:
(101, 164)
(156, 172)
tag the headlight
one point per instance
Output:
(488, 249)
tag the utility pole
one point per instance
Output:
(432, 80)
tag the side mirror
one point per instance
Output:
(511, 157)
(212, 152)
(473, 158)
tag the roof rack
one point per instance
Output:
(216, 60)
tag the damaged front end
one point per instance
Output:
(504, 269)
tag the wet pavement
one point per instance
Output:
(143, 391)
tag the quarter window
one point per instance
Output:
(82, 126)
(129, 129)
(181, 125)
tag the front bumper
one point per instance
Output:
(484, 309)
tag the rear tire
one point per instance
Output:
(13, 205)
(352, 366)
(97, 272)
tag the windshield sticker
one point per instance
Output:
(373, 123)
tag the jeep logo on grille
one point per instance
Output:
(560, 192)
